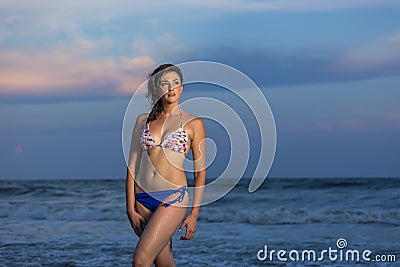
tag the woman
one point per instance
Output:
(156, 185)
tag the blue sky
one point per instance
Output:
(329, 69)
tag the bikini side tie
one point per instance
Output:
(182, 192)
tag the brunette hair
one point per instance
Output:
(153, 90)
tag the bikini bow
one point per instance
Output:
(182, 192)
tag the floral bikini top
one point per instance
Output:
(176, 141)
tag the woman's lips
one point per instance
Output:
(171, 94)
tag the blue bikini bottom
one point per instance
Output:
(152, 200)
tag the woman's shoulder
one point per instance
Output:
(141, 118)
(192, 120)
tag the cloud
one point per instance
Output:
(354, 124)
(74, 71)
(286, 5)
(7, 20)
(393, 118)
(78, 70)
(18, 150)
(324, 125)
(70, 72)
(379, 56)
(345, 124)
(46, 53)
(160, 46)
(52, 16)
(81, 68)
(378, 123)
(30, 19)
(271, 67)
(274, 67)
(71, 17)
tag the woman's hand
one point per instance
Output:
(137, 222)
(190, 223)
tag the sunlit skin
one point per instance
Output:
(161, 169)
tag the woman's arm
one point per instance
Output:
(198, 146)
(136, 220)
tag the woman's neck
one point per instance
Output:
(168, 108)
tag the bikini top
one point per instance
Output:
(176, 141)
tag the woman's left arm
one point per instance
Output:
(198, 146)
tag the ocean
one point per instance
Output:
(83, 223)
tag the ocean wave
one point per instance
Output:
(282, 201)
(272, 216)
(282, 215)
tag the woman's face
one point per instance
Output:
(171, 87)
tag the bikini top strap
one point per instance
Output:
(180, 116)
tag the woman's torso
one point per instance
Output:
(162, 156)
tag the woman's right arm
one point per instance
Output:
(136, 220)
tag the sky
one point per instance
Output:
(330, 71)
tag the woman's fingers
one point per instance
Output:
(190, 224)
(138, 223)
(184, 223)
(136, 231)
(141, 224)
(141, 219)
(190, 233)
(139, 228)
(133, 225)
(191, 229)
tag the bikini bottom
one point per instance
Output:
(152, 200)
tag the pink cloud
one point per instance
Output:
(354, 124)
(64, 72)
(289, 5)
(384, 52)
(18, 150)
(347, 124)
(393, 118)
(323, 125)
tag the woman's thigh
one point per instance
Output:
(160, 228)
